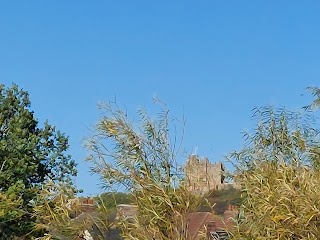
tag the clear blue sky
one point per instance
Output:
(212, 61)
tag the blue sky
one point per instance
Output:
(211, 61)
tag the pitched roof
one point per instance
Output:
(196, 222)
(206, 221)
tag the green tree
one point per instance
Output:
(111, 199)
(279, 174)
(142, 160)
(30, 155)
(221, 199)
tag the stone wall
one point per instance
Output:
(203, 176)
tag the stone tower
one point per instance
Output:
(202, 176)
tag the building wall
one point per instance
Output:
(126, 211)
(203, 176)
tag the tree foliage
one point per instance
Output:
(30, 155)
(112, 199)
(220, 200)
(59, 214)
(142, 160)
(278, 170)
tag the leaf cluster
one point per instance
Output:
(142, 161)
(30, 155)
(278, 171)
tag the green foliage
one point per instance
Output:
(112, 199)
(315, 91)
(282, 202)
(62, 215)
(142, 160)
(10, 202)
(221, 199)
(279, 174)
(29, 156)
(59, 214)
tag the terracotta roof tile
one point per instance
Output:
(207, 221)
